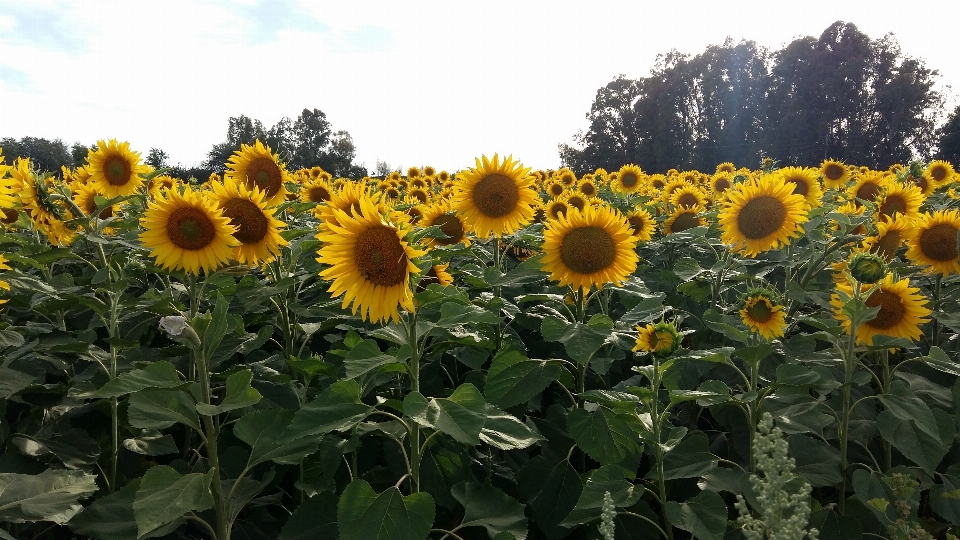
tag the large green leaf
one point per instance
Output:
(915, 443)
(903, 404)
(159, 374)
(74, 447)
(689, 459)
(49, 496)
(816, 461)
(579, 340)
(607, 436)
(607, 478)
(13, 381)
(514, 379)
(314, 519)
(239, 394)
(264, 432)
(704, 516)
(338, 408)
(506, 432)
(462, 415)
(365, 357)
(153, 408)
(362, 514)
(457, 314)
(940, 360)
(165, 496)
(151, 442)
(110, 517)
(488, 507)
(551, 493)
(945, 499)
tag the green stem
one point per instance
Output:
(935, 333)
(212, 431)
(657, 428)
(414, 387)
(849, 367)
(885, 366)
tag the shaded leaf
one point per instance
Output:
(704, 516)
(264, 432)
(607, 436)
(607, 478)
(579, 340)
(151, 442)
(689, 459)
(165, 496)
(159, 374)
(365, 357)
(338, 408)
(239, 394)
(816, 461)
(13, 381)
(152, 408)
(462, 415)
(506, 432)
(514, 379)
(551, 493)
(49, 496)
(315, 518)
(488, 507)
(362, 514)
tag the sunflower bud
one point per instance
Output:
(867, 267)
(661, 339)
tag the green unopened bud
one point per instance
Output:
(661, 339)
(867, 267)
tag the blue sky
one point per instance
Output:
(415, 83)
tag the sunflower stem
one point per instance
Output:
(849, 366)
(655, 419)
(414, 387)
(212, 432)
(935, 332)
(885, 366)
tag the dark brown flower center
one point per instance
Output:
(891, 312)
(684, 221)
(636, 224)
(558, 209)
(761, 311)
(721, 184)
(687, 199)
(939, 242)
(800, 186)
(761, 216)
(893, 204)
(576, 202)
(833, 172)
(588, 189)
(380, 256)
(556, 189)
(868, 191)
(10, 216)
(629, 179)
(252, 225)
(419, 195)
(265, 174)
(938, 173)
(190, 228)
(586, 250)
(451, 226)
(117, 170)
(318, 194)
(496, 195)
(887, 245)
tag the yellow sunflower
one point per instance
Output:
(940, 172)
(8, 198)
(902, 310)
(187, 231)
(115, 169)
(258, 231)
(761, 215)
(629, 179)
(437, 274)
(934, 242)
(496, 198)
(899, 199)
(661, 339)
(369, 262)
(835, 174)
(763, 315)
(587, 187)
(413, 172)
(442, 215)
(316, 190)
(726, 167)
(720, 183)
(85, 199)
(159, 183)
(805, 183)
(891, 234)
(566, 177)
(588, 248)
(554, 188)
(557, 208)
(347, 198)
(46, 214)
(683, 218)
(687, 195)
(868, 187)
(641, 224)
(255, 165)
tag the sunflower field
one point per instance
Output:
(495, 353)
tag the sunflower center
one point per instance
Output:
(557, 210)
(887, 245)
(800, 187)
(380, 256)
(661, 341)
(761, 217)
(419, 195)
(586, 250)
(190, 228)
(891, 312)
(252, 225)
(684, 221)
(629, 179)
(687, 199)
(318, 194)
(658, 184)
(588, 189)
(496, 195)
(266, 175)
(761, 311)
(721, 185)
(893, 204)
(939, 242)
(636, 223)
(938, 173)
(556, 190)
(451, 226)
(9, 216)
(116, 170)
(833, 172)
(868, 191)
(576, 202)
(922, 184)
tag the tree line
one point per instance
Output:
(305, 142)
(842, 96)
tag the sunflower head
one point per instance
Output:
(661, 339)
(450, 223)
(867, 267)
(761, 215)
(940, 172)
(835, 174)
(257, 230)
(256, 166)
(629, 179)
(934, 242)
(642, 224)
(114, 169)
(903, 309)
(496, 198)
(762, 313)
(805, 183)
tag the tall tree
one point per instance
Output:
(949, 138)
(611, 139)
(46, 155)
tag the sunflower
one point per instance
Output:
(554, 188)
(891, 234)
(3, 284)
(85, 199)
(587, 187)
(641, 224)
(347, 198)
(557, 208)
(46, 214)
(726, 167)
(413, 172)
(661, 339)
(442, 215)
(159, 183)
(255, 165)
(761, 215)
(835, 174)
(436, 274)
(629, 179)
(115, 169)
(7, 185)
(566, 177)
(868, 187)
(763, 314)
(421, 195)
(720, 182)
(934, 241)
(902, 310)
(316, 189)
(687, 195)
(683, 218)
(187, 231)
(496, 198)
(369, 261)
(258, 231)
(899, 199)
(805, 183)
(588, 248)
(940, 172)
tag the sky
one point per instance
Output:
(414, 83)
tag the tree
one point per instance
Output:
(157, 158)
(79, 153)
(949, 138)
(46, 155)
(611, 139)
